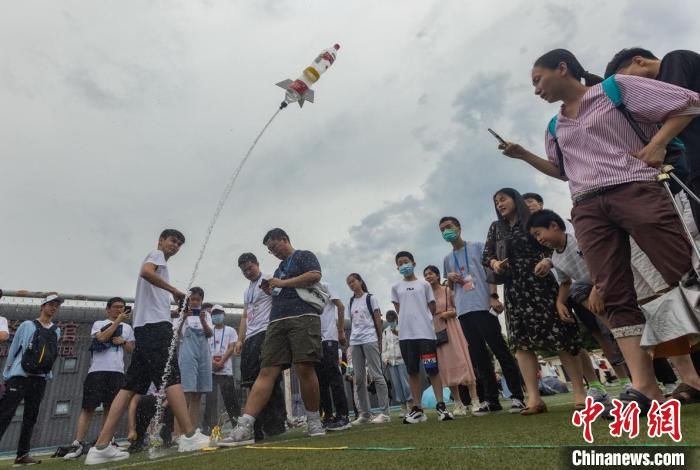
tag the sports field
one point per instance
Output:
(494, 442)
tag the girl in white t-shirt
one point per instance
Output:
(365, 339)
(194, 355)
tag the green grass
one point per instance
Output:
(432, 441)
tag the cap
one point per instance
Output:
(53, 298)
(217, 308)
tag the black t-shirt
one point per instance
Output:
(682, 68)
(287, 303)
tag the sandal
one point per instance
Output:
(627, 396)
(686, 394)
(535, 410)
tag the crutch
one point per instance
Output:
(665, 179)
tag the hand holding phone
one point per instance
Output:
(498, 137)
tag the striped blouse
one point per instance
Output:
(598, 144)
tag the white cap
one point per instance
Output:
(53, 298)
(217, 308)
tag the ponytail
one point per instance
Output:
(553, 58)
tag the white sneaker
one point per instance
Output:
(516, 406)
(459, 409)
(361, 420)
(381, 418)
(668, 389)
(314, 428)
(242, 435)
(106, 455)
(415, 416)
(198, 441)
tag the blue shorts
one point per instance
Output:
(194, 358)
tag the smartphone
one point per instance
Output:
(127, 310)
(498, 137)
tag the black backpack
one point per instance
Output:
(42, 352)
(96, 346)
(369, 304)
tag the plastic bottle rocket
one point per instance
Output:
(300, 90)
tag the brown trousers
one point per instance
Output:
(603, 226)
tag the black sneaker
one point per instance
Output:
(339, 424)
(325, 422)
(75, 451)
(443, 413)
(484, 409)
(415, 416)
(517, 406)
(495, 406)
(136, 447)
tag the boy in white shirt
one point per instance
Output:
(111, 338)
(414, 302)
(154, 332)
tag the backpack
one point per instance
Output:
(675, 151)
(96, 346)
(369, 304)
(42, 351)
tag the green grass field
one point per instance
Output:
(494, 442)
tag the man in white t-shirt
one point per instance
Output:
(414, 302)
(251, 336)
(111, 338)
(330, 380)
(154, 332)
(221, 345)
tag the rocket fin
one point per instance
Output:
(284, 83)
(309, 95)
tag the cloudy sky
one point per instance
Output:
(121, 118)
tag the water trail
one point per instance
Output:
(155, 449)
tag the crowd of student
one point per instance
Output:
(624, 246)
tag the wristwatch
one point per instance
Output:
(494, 296)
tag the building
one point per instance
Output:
(59, 412)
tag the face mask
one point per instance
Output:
(217, 319)
(392, 324)
(450, 235)
(406, 269)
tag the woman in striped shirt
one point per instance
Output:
(612, 179)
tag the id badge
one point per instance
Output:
(276, 291)
(468, 283)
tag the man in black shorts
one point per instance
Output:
(111, 338)
(154, 332)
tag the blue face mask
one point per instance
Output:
(406, 269)
(217, 318)
(392, 324)
(450, 235)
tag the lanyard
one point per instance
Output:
(285, 271)
(253, 290)
(466, 257)
(221, 341)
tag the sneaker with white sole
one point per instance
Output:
(443, 413)
(381, 418)
(242, 435)
(459, 409)
(483, 409)
(76, 450)
(109, 454)
(339, 424)
(516, 406)
(415, 416)
(198, 441)
(314, 428)
(361, 420)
